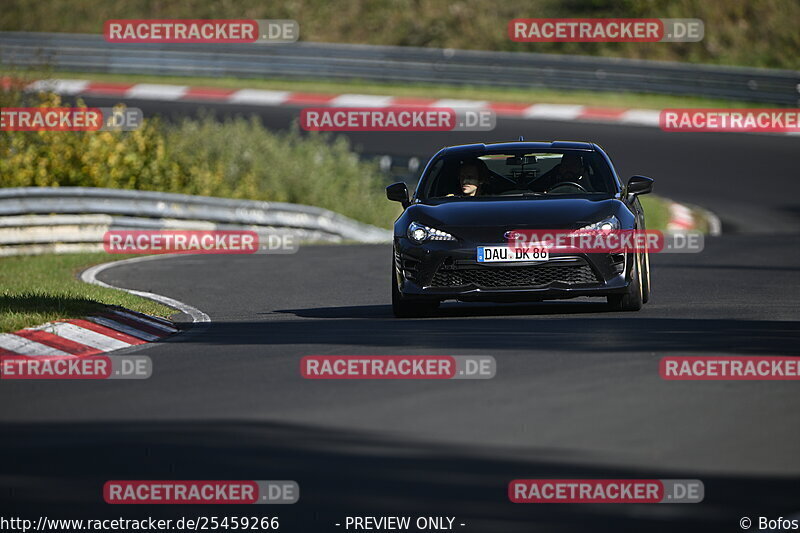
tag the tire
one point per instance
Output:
(409, 308)
(631, 300)
(646, 278)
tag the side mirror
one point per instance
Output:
(398, 192)
(640, 185)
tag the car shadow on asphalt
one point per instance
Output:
(453, 309)
(58, 470)
(578, 333)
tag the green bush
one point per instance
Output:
(235, 158)
(241, 159)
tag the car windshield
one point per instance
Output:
(520, 175)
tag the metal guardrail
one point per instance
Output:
(68, 219)
(90, 53)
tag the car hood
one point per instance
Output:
(538, 213)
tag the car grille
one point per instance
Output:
(521, 276)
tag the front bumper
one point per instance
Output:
(449, 271)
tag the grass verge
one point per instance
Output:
(656, 211)
(42, 288)
(421, 90)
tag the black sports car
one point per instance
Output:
(469, 200)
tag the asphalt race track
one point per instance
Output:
(577, 392)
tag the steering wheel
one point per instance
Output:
(568, 183)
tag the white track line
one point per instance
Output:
(90, 276)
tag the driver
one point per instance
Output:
(473, 177)
(570, 169)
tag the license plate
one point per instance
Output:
(506, 254)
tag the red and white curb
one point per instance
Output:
(682, 219)
(107, 332)
(259, 97)
(91, 335)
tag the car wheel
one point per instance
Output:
(407, 307)
(631, 300)
(646, 278)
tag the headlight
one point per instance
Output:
(607, 224)
(420, 233)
